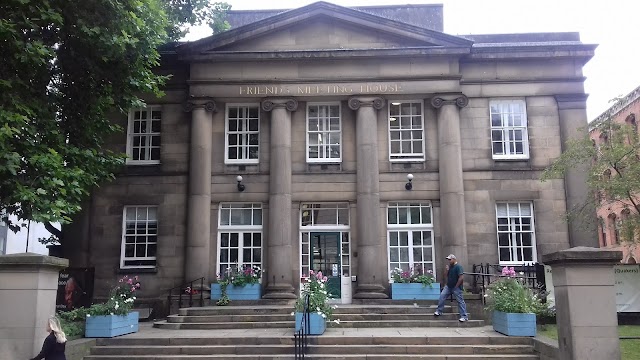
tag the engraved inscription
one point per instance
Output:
(330, 89)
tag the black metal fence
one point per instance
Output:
(301, 336)
(485, 274)
(187, 293)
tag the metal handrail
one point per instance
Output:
(301, 337)
(186, 288)
(485, 276)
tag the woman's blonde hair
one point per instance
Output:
(54, 325)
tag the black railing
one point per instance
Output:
(485, 274)
(301, 337)
(186, 291)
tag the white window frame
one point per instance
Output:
(339, 131)
(149, 135)
(241, 230)
(342, 229)
(506, 131)
(245, 148)
(400, 157)
(123, 258)
(410, 228)
(515, 249)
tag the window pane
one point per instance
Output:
(426, 215)
(392, 217)
(394, 254)
(393, 238)
(404, 238)
(415, 215)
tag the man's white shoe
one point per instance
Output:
(437, 313)
(463, 319)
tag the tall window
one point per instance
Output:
(614, 224)
(410, 236)
(242, 143)
(516, 233)
(406, 131)
(324, 133)
(139, 237)
(3, 237)
(239, 236)
(143, 140)
(509, 138)
(603, 231)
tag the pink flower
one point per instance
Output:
(120, 280)
(319, 275)
(137, 285)
(324, 279)
(130, 281)
(133, 288)
(136, 277)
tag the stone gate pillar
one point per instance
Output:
(279, 277)
(371, 249)
(28, 288)
(197, 249)
(583, 285)
(452, 222)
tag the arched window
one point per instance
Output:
(603, 231)
(612, 224)
(631, 260)
(631, 120)
(628, 231)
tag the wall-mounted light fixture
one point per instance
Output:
(409, 185)
(240, 184)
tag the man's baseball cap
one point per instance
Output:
(451, 256)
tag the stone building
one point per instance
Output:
(612, 214)
(288, 142)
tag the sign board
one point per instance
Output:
(75, 288)
(627, 287)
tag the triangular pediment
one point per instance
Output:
(322, 26)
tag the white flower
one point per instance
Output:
(111, 313)
(116, 307)
(324, 316)
(318, 308)
(337, 321)
(293, 313)
(334, 307)
(88, 315)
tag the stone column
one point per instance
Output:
(28, 288)
(583, 281)
(371, 249)
(278, 272)
(572, 111)
(197, 249)
(453, 227)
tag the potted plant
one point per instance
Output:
(414, 284)
(114, 317)
(314, 287)
(237, 284)
(514, 305)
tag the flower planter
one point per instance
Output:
(415, 291)
(513, 324)
(317, 324)
(106, 326)
(247, 292)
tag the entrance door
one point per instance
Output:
(325, 252)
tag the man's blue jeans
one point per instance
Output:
(457, 293)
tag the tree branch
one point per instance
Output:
(53, 230)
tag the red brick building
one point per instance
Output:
(611, 215)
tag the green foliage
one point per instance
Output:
(66, 66)
(613, 172)
(511, 296)
(185, 13)
(416, 275)
(315, 288)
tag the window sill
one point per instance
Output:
(137, 271)
(141, 163)
(412, 160)
(507, 159)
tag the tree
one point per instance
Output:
(185, 13)
(614, 171)
(67, 65)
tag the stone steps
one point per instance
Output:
(289, 317)
(290, 324)
(314, 350)
(320, 348)
(276, 309)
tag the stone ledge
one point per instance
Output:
(583, 254)
(32, 260)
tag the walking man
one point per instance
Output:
(455, 278)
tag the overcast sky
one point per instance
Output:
(613, 24)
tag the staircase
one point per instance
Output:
(386, 330)
(325, 347)
(279, 316)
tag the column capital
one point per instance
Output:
(356, 103)
(460, 100)
(203, 103)
(278, 103)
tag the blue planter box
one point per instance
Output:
(514, 324)
(247, 292)
(415, 291)
(317, 324)
(106, 326)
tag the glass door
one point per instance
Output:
(325, 254)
